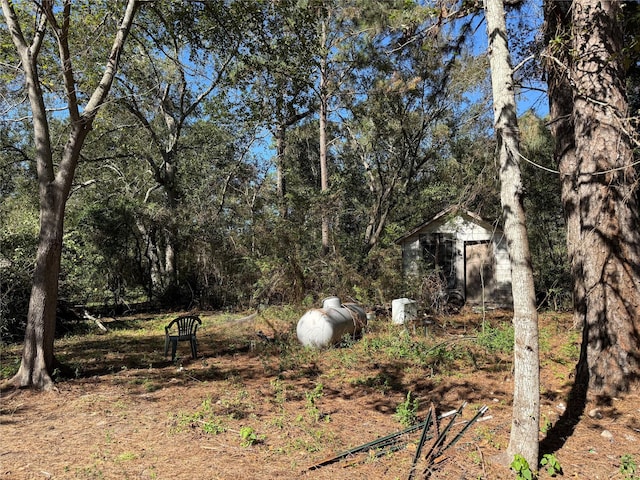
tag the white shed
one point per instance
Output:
(470, 252)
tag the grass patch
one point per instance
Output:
(496, 339)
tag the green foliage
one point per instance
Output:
(551, 464)
(571, 349)
(628, 467)
(545, 218)
(407, 411)
(249, 437)
(400, 346)
(18, 237)
(522, 469)
(8, 367)
(497, 339)
(204, 419)
(312, 398)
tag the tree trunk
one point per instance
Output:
(602, 209)
(281, 186)
(324, 175)
(38, 359)
(37, 356)
(526, 394)
(558, 59)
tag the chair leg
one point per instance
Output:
(194, 348)
(166, 346)
(174, 347)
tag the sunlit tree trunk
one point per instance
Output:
(38, 359)
(324, 174)
(525, 422)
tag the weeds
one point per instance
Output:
(497, 339)
(571, 349)
(204, 420)
(380, 382)
(522, 468)
(551, 464)
(546, 424)
(8, 368)
(628, 467)
(126, 456)
(312, 398)
(407, 411)
(249, 437)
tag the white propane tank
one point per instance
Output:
(326, 326)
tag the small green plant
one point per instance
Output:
(546, 425)
(126, 456)
(312, 398)
(8, 368)
(628, 467)
(149, 385)
(204, 419)
(570, 351)
(522, 468)
(407, 411)
(279, 391)
(551, 463)
(249, 437)
(380, 382)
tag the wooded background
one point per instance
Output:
(201, 185)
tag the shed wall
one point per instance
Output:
(465, 232)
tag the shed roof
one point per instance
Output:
(453, 211)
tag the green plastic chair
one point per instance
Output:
(182, 329)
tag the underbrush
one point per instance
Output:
(453, 344)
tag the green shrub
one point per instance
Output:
(407, 411)
(497, 339)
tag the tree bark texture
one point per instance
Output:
(609, 235)
(38, 359)
(324, 174)
(560, 92)
(594, 149)
(526, 395)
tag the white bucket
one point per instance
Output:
(403, 310)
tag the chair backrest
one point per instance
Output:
(186, 325)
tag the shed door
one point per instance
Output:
(479, 272)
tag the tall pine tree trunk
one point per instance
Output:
(588, 110)
(603, 207)
(324, 173)
(558, 59)
(526, 392)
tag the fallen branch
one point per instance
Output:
(96, 320)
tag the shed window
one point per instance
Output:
(439, 253)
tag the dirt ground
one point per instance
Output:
(262, 408)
